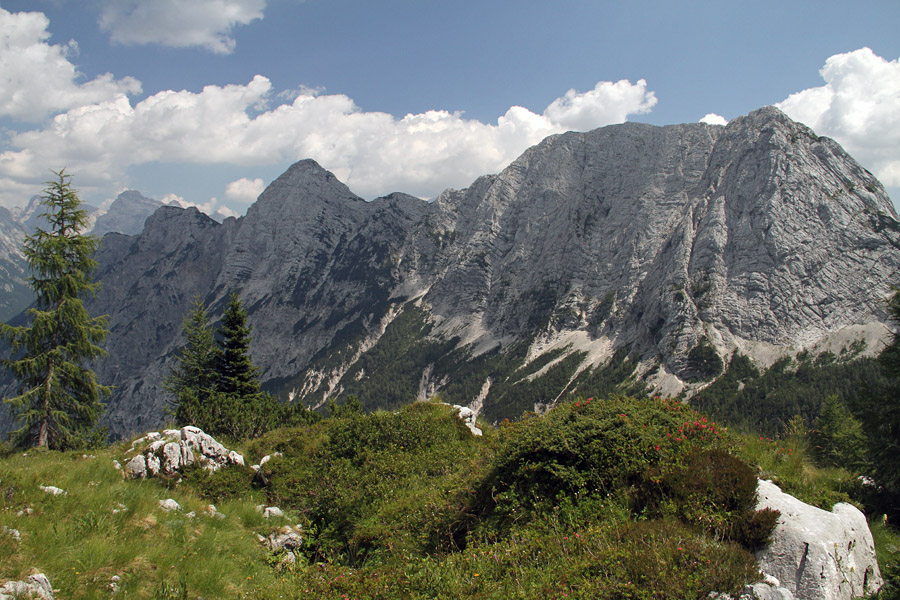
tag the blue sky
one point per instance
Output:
(207, 101)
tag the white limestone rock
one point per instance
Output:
(153, 464)
(816, 554)
(169, 505)
(34, 586)
(172, 450)
(171, 457)
(468, 416)
(271, 512)
(136, 468)
(53, 490)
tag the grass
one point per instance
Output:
(409, 505)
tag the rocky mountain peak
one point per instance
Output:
(126, 214)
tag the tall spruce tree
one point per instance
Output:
(193, 379)
(236, 373)
(58, 399)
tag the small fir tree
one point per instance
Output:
(838, 438)
(193, 380)
(58, 400)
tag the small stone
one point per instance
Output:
(169, 505)
(52, 489)
(13, 533)
(272, 512)
(117, 465)
(25, 512)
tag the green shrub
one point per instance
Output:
(712, 490)
(219, 486)
(582, 448)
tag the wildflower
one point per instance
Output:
(657, 448)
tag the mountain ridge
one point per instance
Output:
(669, 247)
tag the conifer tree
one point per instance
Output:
(59, 396)
(880, 414)
(236, 373)
(193, 380)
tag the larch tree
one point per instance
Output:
(58, 399)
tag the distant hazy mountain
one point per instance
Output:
(15, 294)
(126, 214)
(628, 251)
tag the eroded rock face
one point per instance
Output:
(172, 450)
(816, 554)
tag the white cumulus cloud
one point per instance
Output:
(178, 23)
(859, 106)
(244, 191)
(607, 103)
(714, 119)
(373, 152)
(37, 79)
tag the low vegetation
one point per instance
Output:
(611, 498)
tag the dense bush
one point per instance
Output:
(712, 490)
(675, 458)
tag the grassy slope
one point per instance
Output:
(396, 505)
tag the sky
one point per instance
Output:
(207, 101)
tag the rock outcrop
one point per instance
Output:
(671, 244)
(816, 554)
(169, 452)
(34, 586)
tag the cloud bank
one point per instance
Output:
(178, 23)
(99, 133)
(859, 106)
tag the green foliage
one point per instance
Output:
(372, 483)
(764, 401)
(235, 373)
(601, 448)
(704, 362)
(193, 379)
(397, 505)
(222, 485)
(712, 490)
(879, 412)
(58, 401)
(838, 439)
(215, 386)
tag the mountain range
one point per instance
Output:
(126, 214)
(628, 254)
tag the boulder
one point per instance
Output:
(34, 586)
(816, 554)
(136, 468)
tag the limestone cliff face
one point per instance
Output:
(676, 242)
